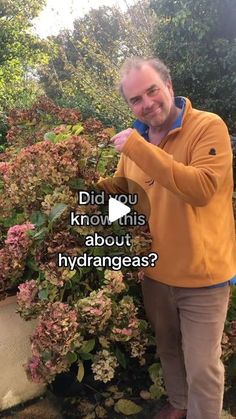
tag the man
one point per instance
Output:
(182, 158)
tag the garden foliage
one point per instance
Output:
(197, 40)
(20, 53)
(85, 67)
(87, 315)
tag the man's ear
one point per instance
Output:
(169, 84)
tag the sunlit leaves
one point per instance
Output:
(86, 68)
(20, 51)
(127, 407)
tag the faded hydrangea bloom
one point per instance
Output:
(55, 275)
(18, 241)
(44, 163)
(10, 269)
(114, 282)
(55, 336)
(47, 256)
(127, 327)
(40, 371)
(141, 241)
(35, 370)
(27, 299)
(61, 194)
(125, 321)
(104, 366)
(138, 347)
(13, 255)
(95, 311)
(3, 168)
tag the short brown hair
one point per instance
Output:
(139, 62)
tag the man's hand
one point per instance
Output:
(120, 139)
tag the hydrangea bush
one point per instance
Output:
(86, 315)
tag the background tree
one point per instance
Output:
(85, 70)
(197, 39)
(20, 52)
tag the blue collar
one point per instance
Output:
(142, 128)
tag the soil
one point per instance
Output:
(54, 407)
(46, 408)
(66, 398)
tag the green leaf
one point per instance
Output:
(57, 211)
(43, 294)
(50, 136)
(15, 218)
(32, 265)
(156, 391)
(77, 184)
(47, 189)
(40, 234)
(77, 129)
(80, 374)
(87, 346)
(31, 233)
(121, 357)
(72, 357)
(154, 371)
(61, 137)
(86, 356)
(97, 251)
(127, 407)
(38, 218)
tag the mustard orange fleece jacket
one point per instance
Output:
(189, 182)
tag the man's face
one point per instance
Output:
(148, 96)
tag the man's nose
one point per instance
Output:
(147, 102)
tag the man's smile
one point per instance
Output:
(153, 112)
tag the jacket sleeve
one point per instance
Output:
(116, 184)
(197, 182)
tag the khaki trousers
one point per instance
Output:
(188, 325)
